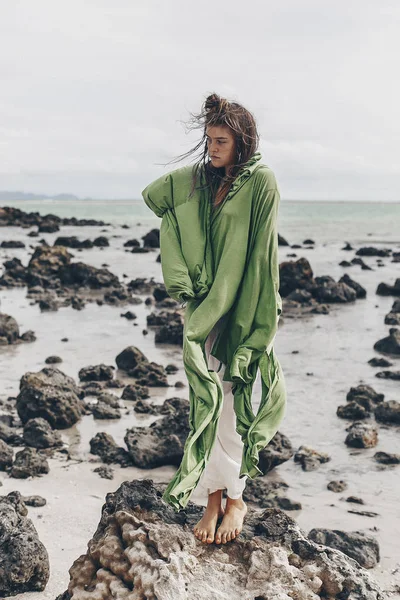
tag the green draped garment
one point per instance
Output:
(223, 261)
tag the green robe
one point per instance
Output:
(223, 261)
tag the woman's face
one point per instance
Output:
(221, 145)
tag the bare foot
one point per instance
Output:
(205, 528)
(232, 523)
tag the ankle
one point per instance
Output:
(237, 502)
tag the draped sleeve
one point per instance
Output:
(159, 197)
(260, 303)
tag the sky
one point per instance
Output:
(96, 93)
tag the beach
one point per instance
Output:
(322, 357)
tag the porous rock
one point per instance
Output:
(24, 562)
(142, 549)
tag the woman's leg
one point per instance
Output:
(204, 530)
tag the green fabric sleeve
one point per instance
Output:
(259, 299)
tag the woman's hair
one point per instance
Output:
(217, 111)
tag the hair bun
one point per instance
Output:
(215, 103)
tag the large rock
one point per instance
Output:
(49, 394)
(142, 549)
(29, 463)
(9, 329)
(24, 562)
(163, 441)
(39, 434)
(389, 344)
(357, 544)
(388, 412)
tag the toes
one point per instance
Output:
(228, 536)
(204, 536)
(224, 538)
(210, 539)
(217, 538)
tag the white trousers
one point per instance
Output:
(222, 470)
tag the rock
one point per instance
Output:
(385, 458)
(337, 486)
(72, 242)
(96, 373)
(135, 392)
(129, 358)
(39, 434)
(8, 435)
(163, 441)
(36, 501)
(82, 275)
(24, 562)
(110, 399)
(389, 344)
(360, 291)
(9, 328)
(356, 544)
(364, 513)
(29, 463)
(105, 472)
(101, 410)
(379, 362)
(153, 551)
(129, 315)
(150, 374)
(103, 445)
(12, 244)
(388, 412)
(50, 360)
(395, 375)
(170, 334)
(355, 499)
(310, 459)
(268, 494)
(371, 251)
(361, 435)
(364, 395)
(6, 455)
(277, 451)
(329, 291)
(389, 290)
(295, 275)
(48, 302)
(352, 410)
(152, 239)
(393, 317)
(101, 242)
(49, 394)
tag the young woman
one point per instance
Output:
(219, 258)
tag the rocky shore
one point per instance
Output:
(141, 549)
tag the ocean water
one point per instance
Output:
(356, 222)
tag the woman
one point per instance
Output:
(219, 257)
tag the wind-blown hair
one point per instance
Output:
(219, 111)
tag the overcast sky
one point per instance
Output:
(93, 91)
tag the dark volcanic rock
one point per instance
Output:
(295, 275)
(96, 373)
(365, 396)
(6, 455)
(8, 435)
(388, 412)
(389, 344)
(24, 562)
(9, 329)
(337, 486)
(152, 239)
(277, 451)
(395, 375)
(49, 394)
(170, 334)
(356, 544)
(154, 553)
(352, 410)
(329, 291)
(29, 463)
(371, 251)
(309, 458)
(135, 392)
(162, 442)
(101, 410)
(385, 458)
(361, 435)
(39, 434)
(360, 291)
(103, 445)
(129, 358)
(150, 374)
(389, 290)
